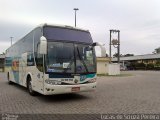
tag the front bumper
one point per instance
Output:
(61, 89)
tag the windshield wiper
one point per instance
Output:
(82, 60)
(72, 60)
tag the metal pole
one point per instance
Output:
(118, 46)
(110, 54)
(11, 40)
(75, 16)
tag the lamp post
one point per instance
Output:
(11, 40)
(75, 9)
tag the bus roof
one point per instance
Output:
(62, 26)
(52, 25)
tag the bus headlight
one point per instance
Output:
(53, 82)
(92, 80)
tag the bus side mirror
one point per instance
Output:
(103, 50)
(43, 46)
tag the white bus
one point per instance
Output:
(53, 59)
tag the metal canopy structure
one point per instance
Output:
(138, 57)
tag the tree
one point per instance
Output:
(156, 51)
(116, 55)
(128, 55)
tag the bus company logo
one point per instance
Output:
(83, 77)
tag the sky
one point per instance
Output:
(137, 20)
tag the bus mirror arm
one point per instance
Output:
(43, 45)
(103, 50)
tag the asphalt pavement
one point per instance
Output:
(134, 93)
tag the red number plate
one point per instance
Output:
(75, 89)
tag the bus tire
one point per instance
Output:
(8, 78)
(29, 86)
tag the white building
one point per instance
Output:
(102, 63)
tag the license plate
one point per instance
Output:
(75, 89)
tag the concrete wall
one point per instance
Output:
(113, 69)
(102, 65)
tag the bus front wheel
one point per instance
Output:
(29, 86)
(8, 77)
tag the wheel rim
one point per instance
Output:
(30, 87)
(8, 78)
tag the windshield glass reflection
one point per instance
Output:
(70, 58)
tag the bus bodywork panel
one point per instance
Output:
(60, 89)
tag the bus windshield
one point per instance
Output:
(70, 58)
